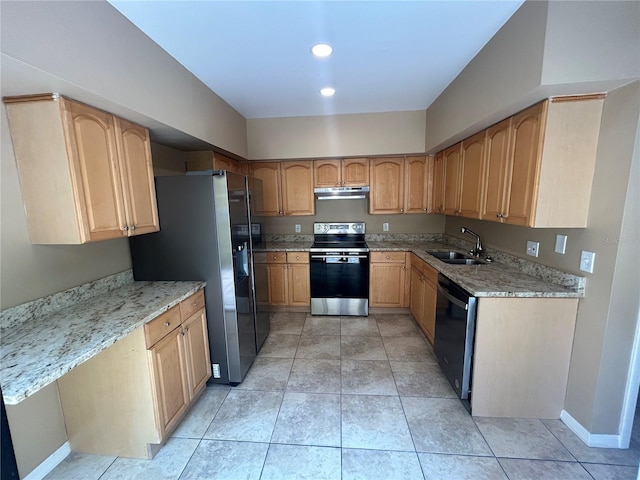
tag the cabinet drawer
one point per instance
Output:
(276, 257)
(260, 257)
(160, 326)
(387, 257)
(192, 304)
(298, 257)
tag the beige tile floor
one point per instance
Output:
(354, 398)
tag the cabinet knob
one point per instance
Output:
(274, 257)
(195, 304)
(133, 227)
(387, 257)
(125, 228)
(402, 210)
(167, 324)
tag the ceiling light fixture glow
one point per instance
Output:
(322, 50)
(328, 91)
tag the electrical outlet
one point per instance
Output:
(561, 244)
(385, 227)
(297, 228)
(532, 248)
(215, 367)
(586, 261)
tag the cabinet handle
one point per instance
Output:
(274, 257)
(167, 324)
(125, 228)
(133, 227)
(402, 210)
(195, 304)
(387, 257)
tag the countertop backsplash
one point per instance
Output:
(36, 308)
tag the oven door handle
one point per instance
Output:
(446, 294)
(339, 256)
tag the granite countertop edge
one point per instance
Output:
(40, 351)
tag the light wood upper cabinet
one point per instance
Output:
(352, 172)
(542, 177)
(438, 183)
(137, 176)
(452, 169)
(287, 187)
(85, 174)
(297, 188)
(472, 176)
(498, 174)
(418, 174)
(387, 185)
(209, 160)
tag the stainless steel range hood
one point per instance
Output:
(341, 193)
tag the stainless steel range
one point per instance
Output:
(339, 269)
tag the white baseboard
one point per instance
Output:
(590, 439)
(50, 463)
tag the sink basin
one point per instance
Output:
(448, 255)
(456, 258)
(462, 261)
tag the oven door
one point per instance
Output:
(339, 283)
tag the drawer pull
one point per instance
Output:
(167, 324)
(195, 304)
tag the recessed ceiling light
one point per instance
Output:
(322, 50)
(328, 91)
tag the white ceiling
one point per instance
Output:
(388, 55)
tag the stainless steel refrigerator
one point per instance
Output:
(207, 232)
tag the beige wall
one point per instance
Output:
(41, 428)
(607, 315)
(354, 211)
(167, 161)
(336, 136)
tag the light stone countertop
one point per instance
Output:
(42, 349)
(496, 279)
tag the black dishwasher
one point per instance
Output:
(454, 336)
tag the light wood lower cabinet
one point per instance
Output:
(424, 294)
(287, 277)
(126, 400)
(388, 277)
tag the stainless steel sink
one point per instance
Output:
(456, 258)
(448, 255)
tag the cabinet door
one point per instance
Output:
(196, 344)
(525, 163)
(472, 175)
(269, 173)
(225, 163)
(387, 185)
(261, 273)
(327, 173)
(452, 160)
(416, 185)
(278, 283)
(136, 169)
(497, 168)
(297, 188)
(438, 183)
(387, 284)
(95, 172)
(355, 172)
(171, 384)
(299, 293)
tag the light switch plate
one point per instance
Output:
(297, 228)
(385, 227)
(532, 248)
(561, 244)
(586, 261)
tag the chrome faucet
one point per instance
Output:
(478, 251)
